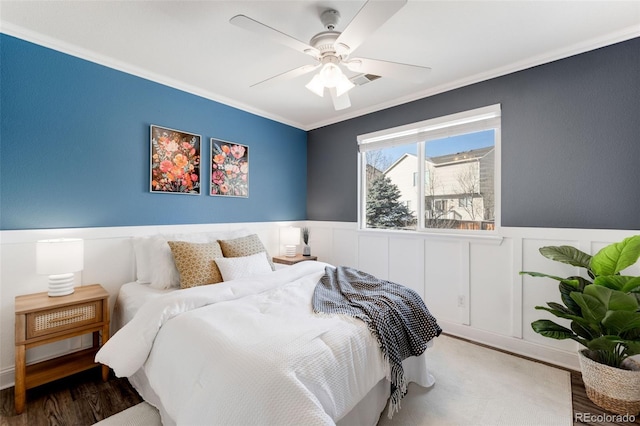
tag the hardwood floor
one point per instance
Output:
(84, 399)
(78, 400)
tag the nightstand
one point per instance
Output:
(293, 260)
(41, 319)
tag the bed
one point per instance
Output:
(249, 350)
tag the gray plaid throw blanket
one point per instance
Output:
(396, 315)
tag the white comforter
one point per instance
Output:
(249, 351)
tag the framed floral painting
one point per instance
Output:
(229, 169)
(175, 161)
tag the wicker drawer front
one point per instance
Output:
(55, 320)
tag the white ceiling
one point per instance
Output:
(192, 46)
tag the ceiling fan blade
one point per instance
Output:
(339, 102)
(395, 70)
(373, 14)
(287, 75)
(259, 28)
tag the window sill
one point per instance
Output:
(487, 237)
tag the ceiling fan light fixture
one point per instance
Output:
(316, 85)
(344, 85)
(330, 74)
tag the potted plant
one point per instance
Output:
(604, 315)
(306, 250)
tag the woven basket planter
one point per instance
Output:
(614, 389)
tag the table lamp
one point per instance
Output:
(290, 238)
(60, 258)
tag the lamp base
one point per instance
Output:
(61, 285)
(290, 251)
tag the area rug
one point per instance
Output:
(480, 386)
(142, 414)
(474, 386)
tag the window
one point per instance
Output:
(465, 201)
(436, 174)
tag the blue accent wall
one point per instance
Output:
(74, 148)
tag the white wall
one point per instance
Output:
(471, 285)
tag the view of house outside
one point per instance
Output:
(458, 188)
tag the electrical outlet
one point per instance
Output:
(461, 301)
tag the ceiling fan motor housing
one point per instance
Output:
(330, 19)
(324, 42)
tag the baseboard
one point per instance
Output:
(546, 354)
(7, 377)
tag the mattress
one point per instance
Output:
(130, 298)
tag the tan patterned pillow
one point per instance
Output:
(195, 262)
(244, 246)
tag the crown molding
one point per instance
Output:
(576, 49)
(73, 50)
(110, 62)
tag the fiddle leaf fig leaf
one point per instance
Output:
(567, 254)
(616, 257)
(559, 307)
(632, 347)
(617, 322)
(612, 300)
(593, 310)
(618, 282)
(632, 284)
(602, 343)
(584, 331)
(562, 312)
(565, 294)
(550, 329)
(571, 281)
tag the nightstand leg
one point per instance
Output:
(20, 394)
(105, 337)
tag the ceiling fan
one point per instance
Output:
(331, 49)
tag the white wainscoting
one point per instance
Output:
(471, 284)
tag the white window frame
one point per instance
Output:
(471, 121)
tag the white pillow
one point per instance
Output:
(232, 268)
(164, 273)
(142, 250)
(154, 259)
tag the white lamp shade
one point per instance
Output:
(330, 76)
(344, 85)
(59, 256)
(290, 236)
(316, 85)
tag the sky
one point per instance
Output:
(445, 146)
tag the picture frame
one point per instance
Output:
(175, 161)
(229, 169)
